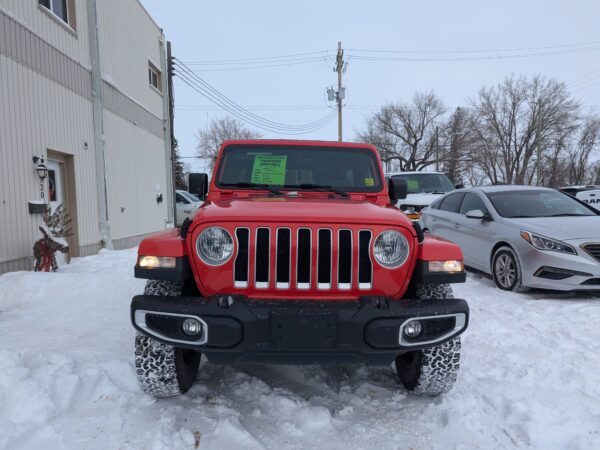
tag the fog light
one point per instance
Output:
(412, 329)
(192, 327)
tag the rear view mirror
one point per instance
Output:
(398, 188)
(198, 184)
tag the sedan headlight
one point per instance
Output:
(391, 249)
(544, 243)
(214, 246)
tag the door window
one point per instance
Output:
(472, 202)
(452, 202)
(181, 199)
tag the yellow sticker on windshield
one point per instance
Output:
(269, 169)
(370, 182)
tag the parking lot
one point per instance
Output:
(528, 378)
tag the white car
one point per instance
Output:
(187, 204)
(423, 188)
(587, 194)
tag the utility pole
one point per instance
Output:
(339, 68)
(171, 105)
(539, 148)
(437, 150)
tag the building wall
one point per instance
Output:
(45, 104)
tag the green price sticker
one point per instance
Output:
(269, 169)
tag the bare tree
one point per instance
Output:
(217, 131)
(586, 146)
(406, 133)
(513, 119)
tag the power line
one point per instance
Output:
(474, 58)
(263, 66)
(506, 50)
(220, 99)
(262, 58)
(205, 89)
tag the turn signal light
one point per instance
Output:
(446, 266)
(157, 262)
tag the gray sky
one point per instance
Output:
(224, 30)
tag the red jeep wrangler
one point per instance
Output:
(297, 256)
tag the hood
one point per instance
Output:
(419, 199)
(561, 228)
(304, 210)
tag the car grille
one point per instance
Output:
(297, 252)
(593, 250)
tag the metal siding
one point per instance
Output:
(123, 22)
(134, 166)
(50, 29)
(45, 94)
(39, 114)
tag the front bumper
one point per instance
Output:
(582, 270)
(237, 329)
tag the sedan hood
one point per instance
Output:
(419, 199)
(561, 228)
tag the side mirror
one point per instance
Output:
(398, 188)
(198, 184)
(477, 214)
(459, 186)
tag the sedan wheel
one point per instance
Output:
(506, 270)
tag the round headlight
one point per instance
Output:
(214, 246)
(391, 249)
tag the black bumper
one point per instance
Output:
(299, 331)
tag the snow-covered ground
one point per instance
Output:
(530, 378)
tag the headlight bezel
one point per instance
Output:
(547, 244)
(403, 257)
(208, 260)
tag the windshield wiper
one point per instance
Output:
(434, 192)
(322, 188)
(257, 186)
(566, 215)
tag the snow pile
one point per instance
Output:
(529, 378)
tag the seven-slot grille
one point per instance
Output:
(313, 248)
(593, 250)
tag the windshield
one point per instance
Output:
(297, 168)
(426, 183)
(533, 203)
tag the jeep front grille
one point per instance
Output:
(303, 258)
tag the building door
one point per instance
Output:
(56, 194)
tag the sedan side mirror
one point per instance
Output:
(397, 188)
(198, 184)
(478, 214)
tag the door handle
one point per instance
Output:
(456, 225)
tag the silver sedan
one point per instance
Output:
(525, 237)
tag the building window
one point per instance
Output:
(61, 9)
(154, 77)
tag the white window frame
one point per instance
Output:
(154, 70)
(51, 10)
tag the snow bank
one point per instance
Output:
(529, 378)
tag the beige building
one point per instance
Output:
(82, 84)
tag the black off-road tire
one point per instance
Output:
(163, 370)
(431, 371)
(508, 254)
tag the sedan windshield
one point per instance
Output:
(534, 203)
(426, 183)
(327, 169)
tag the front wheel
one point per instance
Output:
(506, 270)
(431, 371)
(163, 370)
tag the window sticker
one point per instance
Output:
(370, 182)
(269, 170)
